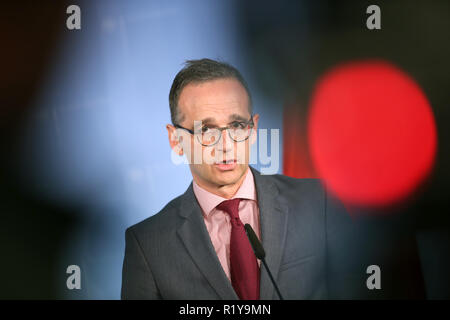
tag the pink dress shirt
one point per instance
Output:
(218, 222)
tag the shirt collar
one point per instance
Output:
(209, 201)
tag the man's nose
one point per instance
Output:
(226, 143)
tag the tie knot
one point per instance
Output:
(231, 207)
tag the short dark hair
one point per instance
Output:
(197, 71)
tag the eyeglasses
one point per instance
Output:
(238, 131)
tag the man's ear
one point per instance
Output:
(255, 129)
(175, 139)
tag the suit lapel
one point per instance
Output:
(273, 223)
(195, 237)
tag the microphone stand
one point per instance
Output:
(260, 254)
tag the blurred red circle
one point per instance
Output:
(371, 133)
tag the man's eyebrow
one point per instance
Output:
(232, 118)
(237, 117)
(208, 120)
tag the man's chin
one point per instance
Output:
(228, 175)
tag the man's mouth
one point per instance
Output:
(226, 161)
(226, 165)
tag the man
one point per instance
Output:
(195, 247)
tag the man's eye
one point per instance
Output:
(238, 125)
(205, 129)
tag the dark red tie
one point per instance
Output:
(243, 266)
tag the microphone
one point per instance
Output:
(260, 253)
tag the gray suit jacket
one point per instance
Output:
(170, 255)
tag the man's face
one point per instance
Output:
(218, 103)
